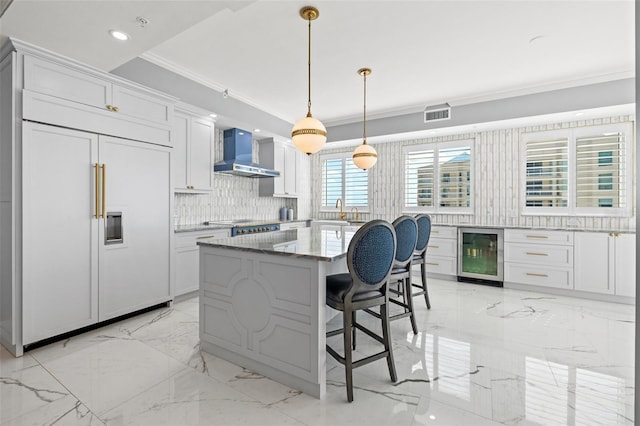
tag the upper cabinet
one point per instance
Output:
(193, 136)
(83, 98)
(285, 159)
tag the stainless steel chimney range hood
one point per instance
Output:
(237, 156)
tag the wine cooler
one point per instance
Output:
(481, 255)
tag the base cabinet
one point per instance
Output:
(605, 263)
(187, 258)
(442, 250)
(539, 258)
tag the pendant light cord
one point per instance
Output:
(364, 115)
(309, 72)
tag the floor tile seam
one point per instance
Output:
(132, 397)
(465, 410)
(70, 393)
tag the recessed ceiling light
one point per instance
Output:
(256, 130)
(212, 115)
(119, 35)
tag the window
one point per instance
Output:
(578, 171)
(440, 169)
(341, 179)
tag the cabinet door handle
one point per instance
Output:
(104, 191)
(432, 263)
(531, 274)
(97, 191)
(110, 107)
(116, 109)
(536, 254)
(537, 236)
(430, 246)
(206, 236)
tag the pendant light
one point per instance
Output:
(365, 156)
(309, 134)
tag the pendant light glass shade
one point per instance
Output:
(309, 134)
(365, 156)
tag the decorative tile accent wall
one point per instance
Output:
(236, 197)
(496, 182)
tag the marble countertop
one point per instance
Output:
(326, 243)
(538, 228)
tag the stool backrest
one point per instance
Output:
(407, 235)
(424, 232)
(371, 253)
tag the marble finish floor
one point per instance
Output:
(483, 356)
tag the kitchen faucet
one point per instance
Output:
(342, 214)
(357, 214)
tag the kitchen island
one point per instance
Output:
(262, 301)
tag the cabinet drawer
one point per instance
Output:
(442, 247)
(444, 232)
(441, 265)
(539, 254)
(538, 236)
(538, 275)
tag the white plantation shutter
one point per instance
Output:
(454, 166)
(419, 178)
(600, 171)
(356, 185)
(581, 171)
(437, 177)
(331, 181)
(547, 173)
(342, 179)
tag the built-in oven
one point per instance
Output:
(481, 255)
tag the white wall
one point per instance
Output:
(495, 202)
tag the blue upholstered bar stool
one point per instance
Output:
(407, 236)
(370, 257)
(420, 255)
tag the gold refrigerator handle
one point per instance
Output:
(97, 190)
(104, 191)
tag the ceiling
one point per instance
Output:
(421, 52)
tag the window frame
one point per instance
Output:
(345, 156)
(437, 189)
(572, 135)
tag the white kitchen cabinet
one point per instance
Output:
(193, 142)
(539, 258)
(285, 159)
(68, 94)
(605, 263)
(72, 180)
(70, 169)
(61, 234)
(136, 273)
(187, 258)
(442, 250)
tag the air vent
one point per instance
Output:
(437, 113)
